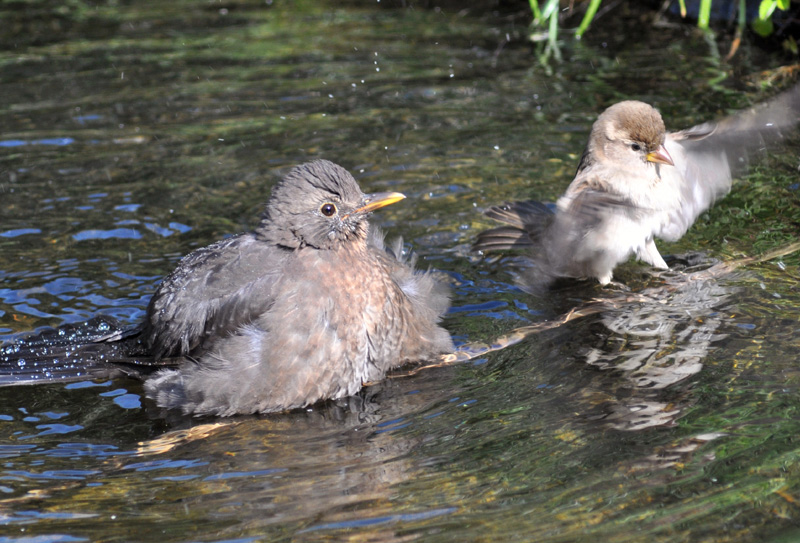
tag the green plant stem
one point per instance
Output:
(587, 19)
(705, 14)
(537, 14)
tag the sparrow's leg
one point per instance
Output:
(605, 279)
(651, 255)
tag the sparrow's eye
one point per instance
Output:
(636, 147)
(328, 209)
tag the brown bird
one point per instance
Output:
(308, 306)
(635, 182)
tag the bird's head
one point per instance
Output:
(630, 134)
(319, 204)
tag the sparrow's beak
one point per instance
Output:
(660, 156)
(378, 200)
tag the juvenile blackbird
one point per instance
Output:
(635, 182)
(308, 306)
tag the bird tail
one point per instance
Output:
(525, 222)
(97, 349)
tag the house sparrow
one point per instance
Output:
(309, 306)
(635, 182)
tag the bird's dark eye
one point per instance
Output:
(329, 210)
(636, 147)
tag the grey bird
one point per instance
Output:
(309, 306)
(635, 182)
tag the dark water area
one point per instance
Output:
(133, 133)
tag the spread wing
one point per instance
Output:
(571, 241)
(709, 155)
(585, 225)
(525, 221)
(213, 291)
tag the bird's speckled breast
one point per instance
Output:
(352, 315)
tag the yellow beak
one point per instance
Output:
(660, 156)
(378, 200)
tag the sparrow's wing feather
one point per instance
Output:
(585, 213)
(502, 238)
(525, 222)
(520, 214)
(592, 232)
(709, 155)
(748, 133)
(214, 291)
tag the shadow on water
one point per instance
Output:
(130, 135)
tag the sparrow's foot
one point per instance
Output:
(616, 285)
(651, 255)
(686, 260)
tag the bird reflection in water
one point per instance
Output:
(662, 336)
(654, 342)
(646, 341)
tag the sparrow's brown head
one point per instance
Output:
(630, 133)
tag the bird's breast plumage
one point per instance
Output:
(355, 300)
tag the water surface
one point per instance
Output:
(130, 135)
